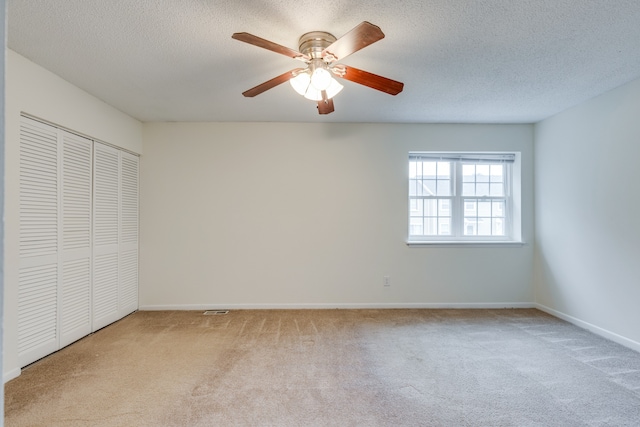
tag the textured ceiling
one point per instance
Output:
(464, 61)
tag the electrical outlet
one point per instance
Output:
(386, 280)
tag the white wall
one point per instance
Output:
(313, 215)
(587, 193)
(33, 90)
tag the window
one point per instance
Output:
(466, 197)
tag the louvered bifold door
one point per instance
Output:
(106, 209)
(75, 262)
(128, 291)
(39, 229)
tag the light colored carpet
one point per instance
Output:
(333, 368)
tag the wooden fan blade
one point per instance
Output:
(359, 37)
(269, 84)
(266, 44)
(371, 80)
(325, 107)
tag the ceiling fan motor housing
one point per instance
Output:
(313, 43)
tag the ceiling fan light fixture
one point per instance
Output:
(303, 84)
(313, 94)
(334, 88)
(316, 95)
(321, 79)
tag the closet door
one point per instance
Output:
(106, 235)
(78, 238)
(128, 289)
(75, 253)
(39, 229)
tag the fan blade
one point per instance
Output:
(325, 107)
(269, 84)
(266, 44)
(371, 80)
(359, 37)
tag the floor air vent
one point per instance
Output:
(214, 312)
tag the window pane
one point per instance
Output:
(468, 173)
(497, 173)
(431, 226)
(415, 207)
(482, 173)
(484, 209)
(444, 226)
(498, 227)
(415, 227)
(429, 187)
(444, 208)
(484, 227)
(444, 170)
(470, 226)
(482, 189)
(470, 208)
(412, 169)
(429, 169)
(413, 185)
(496, 189)
(430, 207)
(498, 209)
(468, 189)
(444, 187)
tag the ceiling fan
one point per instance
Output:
(321, 51)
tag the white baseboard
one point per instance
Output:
(8, 376)
(634, 345)
(497, 305)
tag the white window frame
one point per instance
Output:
(512, 197)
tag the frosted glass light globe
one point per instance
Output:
(300, 83)
(321, 79)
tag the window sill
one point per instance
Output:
(467, 244)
